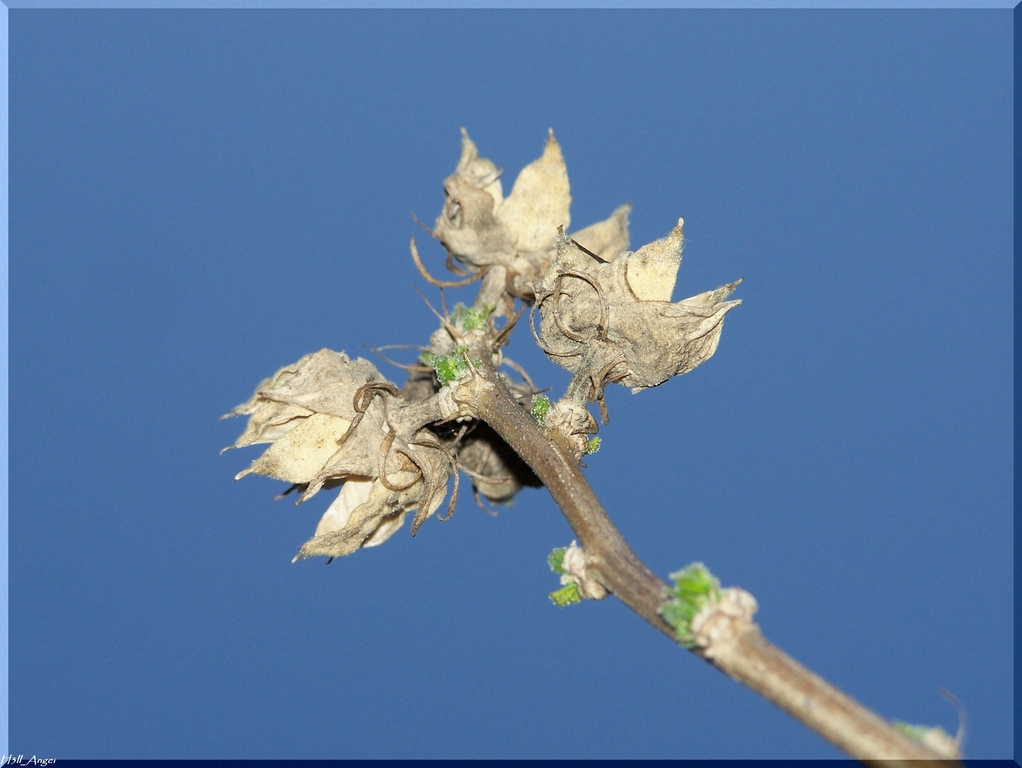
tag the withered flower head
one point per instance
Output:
(330, 419)
(481, 227)
(614, 321)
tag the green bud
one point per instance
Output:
(916, 732)
(694, 587)
(593, 445)
(566, 596)
(556, 558)
(540, 408)
(449, 368)
(472, 319)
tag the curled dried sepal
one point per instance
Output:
(608, 322)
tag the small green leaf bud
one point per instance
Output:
(916, 732)
(566, 596)
(449, 368)
(540, 408)
(474, 319)
(556, 558)
(694, 588)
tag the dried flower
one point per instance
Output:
(330, 419)
(481, 228)
(614, 321)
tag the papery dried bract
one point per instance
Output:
(268, 420)
(324, 382)
(382, 507)
(653, 269)
(540, 201)
(354, 493)
(321, 382)
(364, 514)
(605, 315)
(304, 410)
(298, 456)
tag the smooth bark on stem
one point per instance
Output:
(747, 658)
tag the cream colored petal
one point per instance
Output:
(364, 521)
(653, 268)
(270, 422)
(539, 202)
(387, 528)
(301, 453)
(355, 491)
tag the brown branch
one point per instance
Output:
(746, 656)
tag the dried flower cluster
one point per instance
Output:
(605, 314)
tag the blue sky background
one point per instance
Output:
(200, 198)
